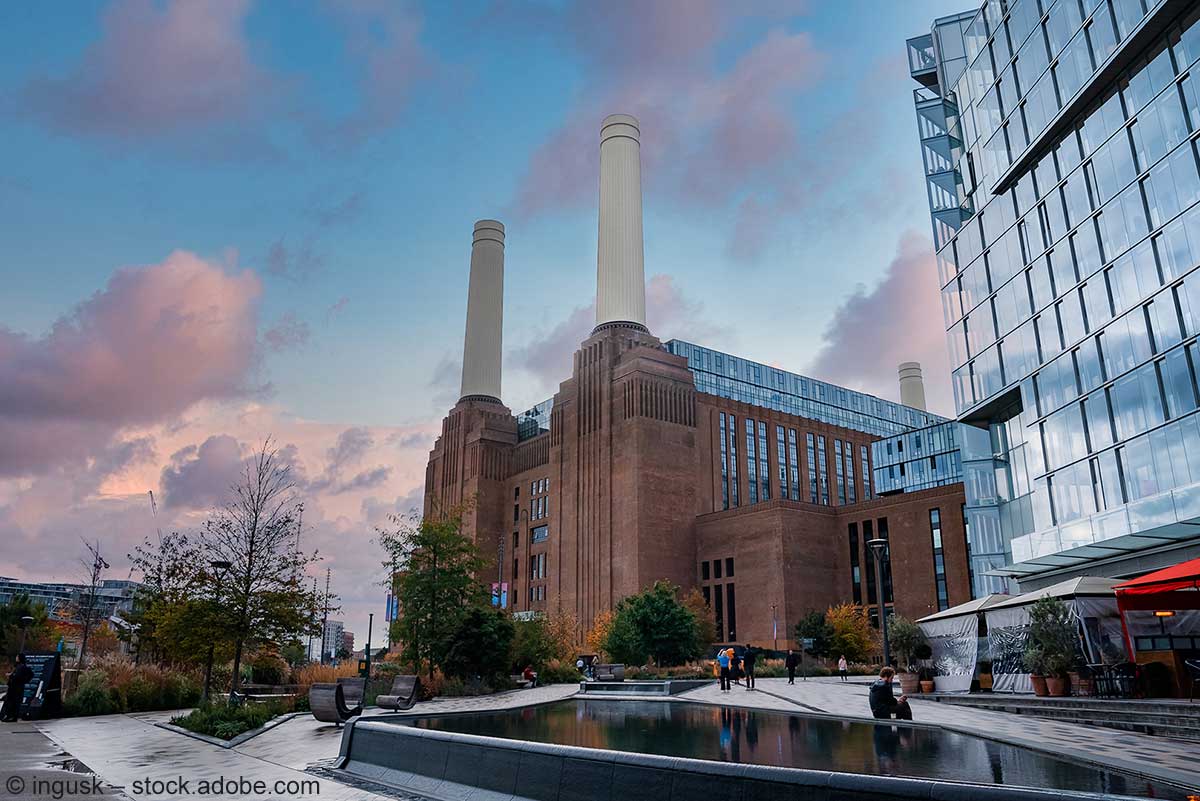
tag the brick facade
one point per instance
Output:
(628, 483)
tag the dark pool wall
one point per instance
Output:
(452, 765)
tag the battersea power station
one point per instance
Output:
(670, 460)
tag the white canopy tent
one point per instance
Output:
(1092, 601)
(953, 636)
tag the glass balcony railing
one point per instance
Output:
(921, 58)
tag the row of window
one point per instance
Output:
(706, 574)
(722, 599)
(862, 557)
(787, 467)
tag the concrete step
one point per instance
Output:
(1176, 720)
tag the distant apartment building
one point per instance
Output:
(114, 596)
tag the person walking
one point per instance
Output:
(790, 663)
(748, 660)
(843, 667)
(735, 667)
(723, 666)
(13, 695)
(884, 705)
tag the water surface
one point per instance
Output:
(736, 734)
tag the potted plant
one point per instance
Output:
(985, 676)
(925, 676)
(1051, 646)
(905, 637)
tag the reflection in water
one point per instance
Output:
(733, 734)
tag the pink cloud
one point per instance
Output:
(158, 68)
(153, 342)
(898, 320)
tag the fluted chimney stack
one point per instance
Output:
(620, 272)
(912, 385)
(485, 314)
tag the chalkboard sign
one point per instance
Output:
(43, 693)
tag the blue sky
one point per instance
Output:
(336, 155)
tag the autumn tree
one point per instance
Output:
(706, 624)
(852, 634)
(597, 635)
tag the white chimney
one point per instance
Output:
(485, 314)
(620, 272)
(912, 386)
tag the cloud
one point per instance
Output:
(350, 447)
(367, 479)
(384, 37)
(445, 383)
(201, 476)
(336, 308)
(898, 320)
(158, 68)
(296, 265)
(153, 342)
(340, 211)
(710, 133)
(288, 333)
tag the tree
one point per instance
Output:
(255, 533)
(87, 610)
(38, 634)
(597, 635)
(654, 624)
(706, 624)
(853, 636)
(905, 638)
(479, 647)
(531, 644)
(813, 626)
(436, 582)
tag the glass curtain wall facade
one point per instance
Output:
(758, 384)
(1059, 136)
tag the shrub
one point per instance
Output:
(91, 696)
(1052, 647)
(480, 646)
(558, 672)
(268, 667)
(227, 721)
(852, 633)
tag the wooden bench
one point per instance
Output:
(403, 694)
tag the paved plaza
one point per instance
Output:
(125, 750)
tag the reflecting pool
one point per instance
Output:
(735, 734)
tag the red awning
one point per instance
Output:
(1183, 576)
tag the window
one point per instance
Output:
(866, 472)
(516, 492)
(729, 567)
(733, 459)
(516, 572)
(855, 568)
(533, 485)
(537, 564)
(849, 457)
(822, 472)
(716, 568)
(539, 534)
(764, 474)
(719, 609)
(793, 464)
(840, 472)
(724, 467)
(939, 561)
(867, 534)
(812, 470)
(781, 461)
(704, 570)
(751, 462)
(516, 513)
(516, 540)
(882, 527)
(731, 612)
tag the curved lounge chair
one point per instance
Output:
(402, 695)
(328, 703)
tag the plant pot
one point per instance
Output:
(1073, 682)
(909, 683)
(1057, 686)
(985, 681)
(927, 686)
(1039, 686)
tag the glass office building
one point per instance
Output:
(923, 459)
(1058, 144)
(739, 379)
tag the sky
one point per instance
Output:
(223, 221)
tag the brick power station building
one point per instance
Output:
(667, 460)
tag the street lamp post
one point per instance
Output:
(26, 622)
(879, 548)
(774, 628)
(370, 625)
(220, 567)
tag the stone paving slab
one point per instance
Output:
(1161, 758)
(33, 766)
